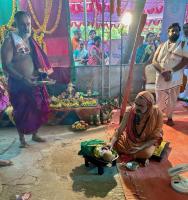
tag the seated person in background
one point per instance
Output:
(95, 52)
(76, 39)
(140, 130)
(80, 55)
(90, 43)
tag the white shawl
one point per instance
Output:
(169, 56)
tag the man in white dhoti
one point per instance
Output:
(184, 94)
(169, 60)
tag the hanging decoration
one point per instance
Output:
(115, 8)
(7, 25)
(39, 37)
(77, 8)
(42, 29)
(77, 24)
(155, 22)
(154, 10)
(118, 9)
(152, 25)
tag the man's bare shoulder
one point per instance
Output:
(7, 44)
(7, 50)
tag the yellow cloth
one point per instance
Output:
(159, 149)
(9, 112)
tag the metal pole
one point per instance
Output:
(85, 18)
(67, 24)
(102, 48)
(109, 69)
(121, 68)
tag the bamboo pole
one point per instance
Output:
(128, 84)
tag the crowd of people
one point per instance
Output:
(141, 128)
(87, 53)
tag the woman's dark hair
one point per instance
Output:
(96, 38)
(92, 31)
(148, 34)
(174, 25)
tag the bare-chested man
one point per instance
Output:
(22, 60)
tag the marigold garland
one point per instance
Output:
(47, 12)
(40, 32)
(3, 28)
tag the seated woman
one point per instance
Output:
(140, 130)
(146, 50)
(80, 55)
(95, 52)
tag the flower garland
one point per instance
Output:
(47, 11)
(48, 7)
(40, 39)
(10, 22)
(110, 7)
(2, 33)
(40, 32)
(57, 19)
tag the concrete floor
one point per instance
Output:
(53, 170)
